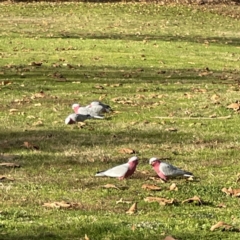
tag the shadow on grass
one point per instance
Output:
(62, 75)
(234, 41)
(60, 140)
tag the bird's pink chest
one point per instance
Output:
(158, 171)
(76, 109)
(131, 169)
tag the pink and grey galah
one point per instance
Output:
(95, 108)
(121, 171)
(74, 118)
(165, 170)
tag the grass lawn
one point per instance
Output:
(168, 71)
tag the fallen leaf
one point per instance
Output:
(157, 179)
(171, 129)
(6, 82)
(38, 123)
(37, 64)
(98, 87)
(232, 192)
(62, 204)
(30, 146)
(81, 124)
(133, 227)
(220, 224)
(86, 237)
(193, 199)
(110, 186)
(169, 238)
(161, 201)
(31, 117)
(37, 104)
(51, 205)
(132, 209)
(8, 164)
(38, 95)
(123, 201)
(13, 110)
(221, 205)
(151, 187)
(173, 187)
(234, 106)
(127, 150)
(3, 177)
(215, 97)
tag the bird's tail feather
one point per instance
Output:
(98, 117)
(188, 174)
(100, 174)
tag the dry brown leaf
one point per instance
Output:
(232, 192)
(6, 82)
(37, 64)
(12, 110)
(157, 179)
(3, 177)
(151, 187)
(51, 205)
(123, 201)
(133, 227)
(81, 124)
(221, 224)
(30, 146)
(8, 164)
(169, 238)
(227, 191)
(98, 87)
(171, 129)
(38, 123)
(215, 97)
(161, 201)
(37, 104)
(62, 204)
(173, 187)
(234, 106)
(116, 85)
(193, 199)
(221, 205)
(110, 186)
(132, 209)
(31, 117)
(38, 95)
(127, 150)
(86, 237)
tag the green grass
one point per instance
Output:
(158, 67)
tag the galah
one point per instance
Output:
(99, 106)
(95, 108)
(73, 118)
(86, 111)
(121, 171)
(165, 170)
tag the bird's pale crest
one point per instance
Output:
(153, 159)
(132, 159)
(75, 105)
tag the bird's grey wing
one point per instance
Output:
(82, 118)
(170, 170)
(95, 110)
(117, 171)
(83, 111)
